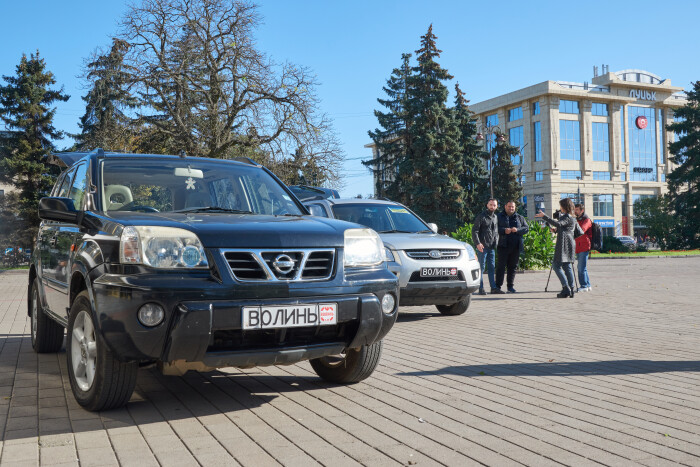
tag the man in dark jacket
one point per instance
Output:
(485, 237)
(511, 228)
(583, 247)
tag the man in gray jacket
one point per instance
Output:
(485, 237)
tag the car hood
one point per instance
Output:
(416, 241)
(220, 230)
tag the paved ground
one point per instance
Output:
(611, 377)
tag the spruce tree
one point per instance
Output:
(433, 163)
(105, 123)
(392, 139)
(505, 182)
(25, 108)
(473, 178)
(684, 181)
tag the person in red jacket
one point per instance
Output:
(583, 247)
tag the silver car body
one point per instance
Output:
(410, 253)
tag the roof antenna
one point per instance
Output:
(183, 154)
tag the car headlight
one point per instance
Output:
(470, 251)
(363, 247)
(162, 247)
(388, 255)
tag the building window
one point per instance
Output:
(574, 197)
(538, 176)
(491, 120)
(601, 142)
(2, 192)
(515, 114)
(663, 177)
(625, 209)
(523, 178)
(570, 174)
(516, 139)
(622, 133)
(623, 176)
(535, 108)
(662, 132)
(599, 109)
(601, 175)
(568, 107)
(642, 143)
(602, 206)
(538, 141)
(570, 140)
(635, 200)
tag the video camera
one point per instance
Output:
(556, 214)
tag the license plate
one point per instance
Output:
(438, 272)
(289, 316)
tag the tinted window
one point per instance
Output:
(65, 186)
(176, 185)
(380, 217)
(77, 191)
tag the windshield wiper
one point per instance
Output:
(214, 209)
(425, 231)
(396, 231)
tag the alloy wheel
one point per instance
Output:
(83, 350)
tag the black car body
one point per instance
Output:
(184, 288)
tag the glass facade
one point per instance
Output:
(537, 139)
(570, 140)
(601, 175)
(538, 176)
(515, 114)
(623, 176)
(570, 174)
(535, 108)
(568, 107)
(599, 109)
(622, 133)
(642, 140)
(491, 120)
(602, 206)
(601, 141)
(662, 132)
(515, 137)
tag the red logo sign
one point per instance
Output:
(453, 271)
(641, 122)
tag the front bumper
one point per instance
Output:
(203, 318)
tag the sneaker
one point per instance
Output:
(582, 289)
(496, 290)
(588, 289)
(511, 290)
(482, 292)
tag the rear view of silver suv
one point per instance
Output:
(432, 269)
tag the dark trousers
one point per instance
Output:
(506, 258)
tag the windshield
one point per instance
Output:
(380, 217)
(160, 185)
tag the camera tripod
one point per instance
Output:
(573, 269)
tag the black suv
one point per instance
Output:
(196, 264)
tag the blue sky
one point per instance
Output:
(490, 48)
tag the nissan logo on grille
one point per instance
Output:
(435, 254)
(283, 264)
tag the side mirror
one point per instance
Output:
(58, 209)
(316, 210)
(433, 227)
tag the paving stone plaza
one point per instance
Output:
(611, 377)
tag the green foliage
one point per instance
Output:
(505, 182)
(25, 109)
(655, 213)
(613, 245)
(539, 247)
(464, 234)
(684, 181)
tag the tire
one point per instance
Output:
(47, 334)
(98, 380)
(351, 367)
(456, 308)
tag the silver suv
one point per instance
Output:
(432, 269)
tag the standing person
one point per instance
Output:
(583, 247)
(485, 237)
(511, 228)
(565, 249)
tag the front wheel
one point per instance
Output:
(47, 334)
(98, 380)
(350, 367)
(456, 308)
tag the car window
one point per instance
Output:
(317, 210)
(77, 190)
(57, 185)
(380, 217)
(65, 186)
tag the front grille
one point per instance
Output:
(237, 339)
(415, 277)
(425, 254)
(271, 265)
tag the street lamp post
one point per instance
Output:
(578, 197)
(499, 138)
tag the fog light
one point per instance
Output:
(388, 303)
(151, 314)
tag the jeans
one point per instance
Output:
(565, 273)
(487, 258)
(507, 259)
(583, 279)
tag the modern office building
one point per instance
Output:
(606, 140)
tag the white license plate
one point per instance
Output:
(438, 272)
(289, 316)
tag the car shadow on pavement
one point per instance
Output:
(409, 316)
(607, 367)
